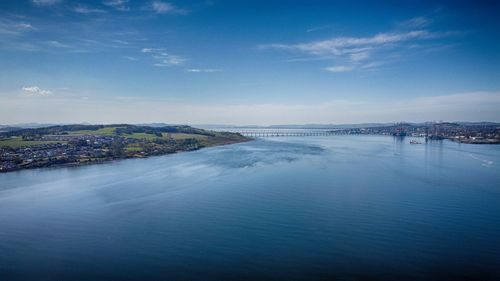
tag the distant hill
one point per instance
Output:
(27, 125)
(118, 129)
(13, 127)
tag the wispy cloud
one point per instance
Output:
(46, 2)
(318, 28)
(348, 45)
(130, 58)
(203, 70)
(35, 91)
(416, 22)
(340, 68)
(104, 42)
(87, 10)
(162, 58)
(362, 55)
(121, 42)
(91, 34)
(15, 34)
(372, 65)
(11, 27)
(120, 5)
(358, 53)
(166, 8)
(57, 44)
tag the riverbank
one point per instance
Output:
(75, 145)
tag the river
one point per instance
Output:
(290, 208)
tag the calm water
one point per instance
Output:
(333, 208)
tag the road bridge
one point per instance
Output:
(286, 132)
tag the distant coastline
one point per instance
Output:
(462, 132)
(75, 145)
(82, 144)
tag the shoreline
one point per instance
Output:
(75, 145)
(221, 142)
(107, 160)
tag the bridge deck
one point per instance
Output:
(287, 133)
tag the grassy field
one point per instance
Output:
(133, 147)
(19, 142)
(181, 136)
(204, 140)
(111, 131)
(140, 136)
(108, 131)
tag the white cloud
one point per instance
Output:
(122, 42)
(340, 68)
(203, 70)
(169, 60)
(166, 8)
(130, 58)
(162, 58)
(355, 51)
(24, 26)
(86, 10)
(35, 91)
(57, 44)
(372, 65)
(416, 22)
(120, 5)
(45, 2)
(316, 28)
(355, 57)
(9, 27)
(348, 45)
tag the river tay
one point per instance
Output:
(298, 208)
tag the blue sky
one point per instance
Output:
(248, 62)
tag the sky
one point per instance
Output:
(248, 62)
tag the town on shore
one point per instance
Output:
(71, 145)
(463, 132)
(472, 133)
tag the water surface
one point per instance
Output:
(325, 208)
